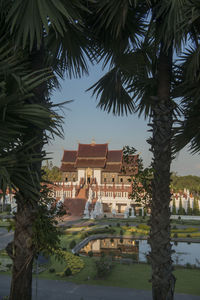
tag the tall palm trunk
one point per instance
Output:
(163, 281)
(22, 249)
(22, 252)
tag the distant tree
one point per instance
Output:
(51, 173)
(189, 209)
(140, 179)
(174, 207)
(196, 207)
(189, 182)
(181, 210)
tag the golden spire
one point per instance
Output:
(93, 142)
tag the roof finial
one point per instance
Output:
(93, 142)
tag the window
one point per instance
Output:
(74, 179)
(104, 179)
(121, 179)
(113, 179)
(66, 179)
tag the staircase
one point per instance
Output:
(82, 193)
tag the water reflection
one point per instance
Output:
(118, 247)
(138, 250)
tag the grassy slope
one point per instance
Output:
(129, 276)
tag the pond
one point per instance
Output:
(138, 250)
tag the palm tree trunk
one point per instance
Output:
(21, 250)
(163, 281)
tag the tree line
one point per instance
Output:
(190, 182)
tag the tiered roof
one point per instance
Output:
(93, 156)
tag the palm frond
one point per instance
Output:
(30, 19)
(21, 118)
(113, 96)
(69, 52)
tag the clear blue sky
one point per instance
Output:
(83, 122)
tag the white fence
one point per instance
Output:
(183, 217)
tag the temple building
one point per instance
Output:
(96, 181)
(95, 164)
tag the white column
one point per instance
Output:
(81, 174)
(97, 175)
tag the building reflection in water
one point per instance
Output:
(117, 246)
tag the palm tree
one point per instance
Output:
(138, 39)
(50, 34)
(19, 113)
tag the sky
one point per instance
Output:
(84, 122)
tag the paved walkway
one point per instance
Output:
(62, 290)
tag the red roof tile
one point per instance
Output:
(112, 168)
(90, 163)
(69, 156)
(68, 168)
(92, 150)
(115, 156)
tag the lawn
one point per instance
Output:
(4, 223)
(128, 276)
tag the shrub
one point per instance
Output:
(188, 235)
(9, 266)
(105, 216)
(175, 235)
(118, 224)
(102, 230)
(135, 256)
(127, 224)
(103, 266)
(73, 262)
(110, 225)
(64, 248)
(72, 244)
(51, 270)
(102, 254)
(143, 226)
(90, 253)
(188, 266)
(68, 272)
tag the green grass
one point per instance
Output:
(4, 223)
(187, 281)
(134, 276)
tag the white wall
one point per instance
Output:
(81, 174)
(97, 175)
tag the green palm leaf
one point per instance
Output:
(30, 19)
